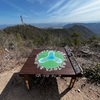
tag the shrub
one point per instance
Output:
(76, 38)
(19, 39)
(93, 74)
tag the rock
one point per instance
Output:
(98, 96)
(84, 78)
(83, 85)
(79, 90)
(6, 50)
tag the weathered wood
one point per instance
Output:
(30, 68)
(73, 79)
(27, 81)
(71, 69)
(78, 70)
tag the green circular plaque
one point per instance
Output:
(50, 60)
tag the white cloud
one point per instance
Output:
(66, 8)
(61, 11)
(33, 12)
(56, 5)
(77, 11)
(89, 5)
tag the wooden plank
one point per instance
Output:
(30, 68)
(78, 70)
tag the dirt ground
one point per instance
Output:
(12, 87)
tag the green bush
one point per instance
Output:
(93, 74)
(19, 40)
(76, 38)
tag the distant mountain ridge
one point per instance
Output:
(29, 31)
(49, 25)
(39, 25)
(85, 32)
(5, 25)
(95, 27)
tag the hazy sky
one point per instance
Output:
(48, 11)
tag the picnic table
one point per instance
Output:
(35, 66)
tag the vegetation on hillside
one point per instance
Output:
(76, 39)
(53, 37)
(18, 41)
(93, 74)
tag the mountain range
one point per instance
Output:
(29, 31)
(48, 36)
(95, 27)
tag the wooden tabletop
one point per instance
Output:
(30, 68)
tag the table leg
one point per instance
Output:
(72, 82)
(27, 81)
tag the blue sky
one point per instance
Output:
(49, 11)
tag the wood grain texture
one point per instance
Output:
(30, 68)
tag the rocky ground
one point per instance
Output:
(12, 87)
